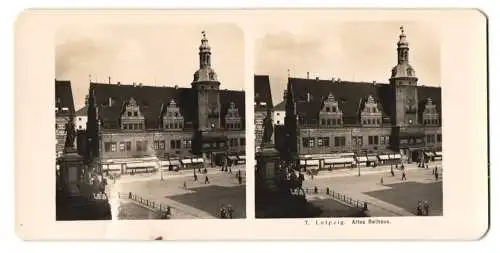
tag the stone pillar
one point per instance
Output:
(71, 174)
(268, 166)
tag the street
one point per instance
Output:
(392, 198)
(197, 200)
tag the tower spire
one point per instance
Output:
(205, 61)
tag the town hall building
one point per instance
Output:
(136, 127)
(336, 123)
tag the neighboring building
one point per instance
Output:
(64, 109)
(331, 123)
(279, 114)
(262, 103)
(180, 126)
(81, 117)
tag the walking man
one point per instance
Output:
(184, 185)
(206, 180)
(382, 180)
(403, 176)
(419, 208)
(436, 175)
(195, 177)
(426, 208)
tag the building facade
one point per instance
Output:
(332, 123)
(64, 110)
(172, 126)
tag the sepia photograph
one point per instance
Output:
(348, 123)
(365, 124)
(150, 122)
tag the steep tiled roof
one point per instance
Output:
(82, 111)
(281, 106)
(262, 89)
(150, 100)
(64, 98)
(350, 95)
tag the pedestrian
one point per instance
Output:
(382, 180)
(419, 208)
(230, 211)
(427, 166)
(206, 180)
(184, 185)
(199, 170)
(403, 176)
(426, 208)
(195, 177)
(222, 213)
(169, 212)
(392, 172)
(437, 176)
(230, 172)
(240, 179)
(205, 170)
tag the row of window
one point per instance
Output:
(233, 142)
(433, 138)
(143, 145)
(330, 122)
(134, 113)
(233, 125)
(175, 125)
(310, 142)
(431, 121)
(133, 126)
(340, 141)
(371, 121)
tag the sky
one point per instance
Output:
(354, 51)
(149, 54)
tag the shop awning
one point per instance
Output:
(142, 165)
(429, 154)
(345, 154)
(175, 162)
(186, 161)
(114, 166)
(309, 162)
(372, 158)
(383, 157)
(339, 160)
(395, 156)
(198, 160)
(439, 153)
(165, 163)
(232, 158)
(362, 159)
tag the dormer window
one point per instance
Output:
(371, 115)
(330, 113)
(131, 118)
(233, 119)
(172, 119)
(430, 115)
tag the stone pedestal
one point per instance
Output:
(268, 167)
(71, 171)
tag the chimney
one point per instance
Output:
(307, 74)
(118, 83)
(109, 80)
(317, 78)
(175, 86)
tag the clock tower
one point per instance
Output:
(404, 84)
(206, 88)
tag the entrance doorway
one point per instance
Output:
(415, 154)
